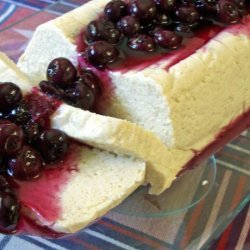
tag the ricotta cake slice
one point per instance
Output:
(120, 137)
(69, 195)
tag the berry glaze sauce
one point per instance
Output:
(40, 198)
(130, 59)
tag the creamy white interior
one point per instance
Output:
(53, 34)
(132, 91)
(49, 36)
(7, 74)
(102, 182)
(122, 137)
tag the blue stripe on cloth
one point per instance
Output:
(6, 11)
(121, 237)
(37, 243)
(4, 242)
(78, 242)
(71, 243)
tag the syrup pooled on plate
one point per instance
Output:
(36, 161)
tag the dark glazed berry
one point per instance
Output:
(101, 53)
(163, 20)
(9, 212)
(115, 9)
(91, 80)
(166, 5)
(188, 14)
(103, 30)
(142, 43)
(61, 72)
(129, 25)
(206, 6)
(143, 9)
(31, 131)
(147, 28)
(228, 12)
(20, 114)
(241, 4)
(53, 90)
(53, 144)
(26, 165)
(81, 96)
(4, 184)
(11, 138)
(10, 96)
(167, 39)
(184, 30)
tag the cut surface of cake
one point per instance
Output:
(117, 136)
(181, 72)
(51, 185)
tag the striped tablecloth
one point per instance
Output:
(206, 225)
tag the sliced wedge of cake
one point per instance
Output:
(53, 185)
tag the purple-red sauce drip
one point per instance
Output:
(42, 196)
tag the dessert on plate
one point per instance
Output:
(179, 69)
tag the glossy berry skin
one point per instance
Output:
(228, 12)
(242, 8)
(188, 14)
(166, 5)
(184, 30)
(10, 96)
(61, 72)
(11, 138)
(142, 43)
(101, 53)
(103, 30)
(115, 9)
(53, 144)
(167, 39)
(91, 80)
(51, 89)
(21, 114)
(143, 9)
(9, 212)
(147, 28)
(81, 96)
(163, 20)
(3, 184)
(26, 165)
(129, 25)
(206, 6)
(31, 131)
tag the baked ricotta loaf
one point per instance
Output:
(186, 104)
(124, 138)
